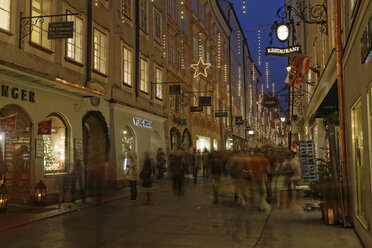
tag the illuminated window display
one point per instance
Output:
(357, 131)
(203, 142)
(55, 147)
(127, 144)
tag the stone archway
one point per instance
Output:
(96, 146)
(15, 149)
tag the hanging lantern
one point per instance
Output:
(3, 198)
(40, 193)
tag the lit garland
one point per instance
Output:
(225, 76)
(183, 54)
(164, 45)
(200, 45)
(267, 74)
(238, 42)
(182, 13)
(273, 86)
(240, 81)
(262, 89)
(251, 96)
(254, 73)
(259, 46)
(219, 51)
(243, 6)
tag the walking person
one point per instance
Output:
(177, 170)
(146, 176)
(160, 159)
(132, 176)
(205, 161)
(196, 165)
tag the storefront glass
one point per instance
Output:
(229, 144)
(127, 144)
(215, 147)
(55, 147)
(203, 142)
(357, 132)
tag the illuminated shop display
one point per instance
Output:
(55, 147)
(127, 144)
(203, 142)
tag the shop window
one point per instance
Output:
(55, 145)
(5, 15)
(203, 143)
(186, 138)
(127, 144)
(357, 147)
(175, 139)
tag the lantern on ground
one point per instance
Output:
(3, 198)
(40, 193)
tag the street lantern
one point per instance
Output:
(3, 198)
(40, 193)
(282, 119)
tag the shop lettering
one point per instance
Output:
(17, 93)
(179, 121)
(142, 123)
(283, 51)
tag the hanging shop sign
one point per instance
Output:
(221, 114)
(366, 42)
(205, 101)
(60, 30)
(277, 51)
(239, 120)
(139, 122)
(17, 93)
(8, 123)
(196, 109)
(174, 89)
(44, 127)
(270, 102)
(179, 121)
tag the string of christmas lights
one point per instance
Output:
(240, 81)
(259, 46)
(164, 45)
(267, 74)
(243, 6)
(238, 42)
(273, 86)
(219, 50)
(182, 12)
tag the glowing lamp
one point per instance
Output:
(40, 193)
(3, 198)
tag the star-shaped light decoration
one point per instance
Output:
(201, 68)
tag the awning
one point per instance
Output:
(57, 83)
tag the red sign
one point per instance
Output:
(294, 144)
(44, 127)
(8, 123)
(276, 116)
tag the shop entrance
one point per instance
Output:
(15, 148)
(96, 148)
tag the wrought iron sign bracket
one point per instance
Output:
(27, 24)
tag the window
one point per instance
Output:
(185, 24)
(55, 146)
(201, 13)
(127, 66)
(39, 34)
(157, 26)
(170, 8)
(75, 44)
(144, 82)
(5, 15)
(193, 6)
(99, 51)
(171, 53)
(178, 16)
(358, 152)
(126, 8)
(127, 145)
(195, 47)
(143, 15)
(159, 86)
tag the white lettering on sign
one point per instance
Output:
(283, 51)
(142, 122)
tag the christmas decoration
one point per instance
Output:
(200, 68)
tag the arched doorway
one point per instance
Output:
(96, 149)
(175, 138)
(186, 138)
(15, 148)
(156, 143)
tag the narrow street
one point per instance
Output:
(192, 221)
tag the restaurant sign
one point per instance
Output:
(270, 102)
(277, 51)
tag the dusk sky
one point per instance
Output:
(262, 12)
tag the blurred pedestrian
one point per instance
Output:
(205, 162)
(177, 170)
(217, 165)
(196, 165)
(132, 176)
(146, 176)
(160, 158)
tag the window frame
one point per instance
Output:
(157, 14)
(43, 32)
(144, 6)
(127, 69)
(9, 18)
(99, 52)
(74, 38)
(159, 87)
(144, 76)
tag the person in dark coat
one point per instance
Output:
(177, 170)
(160, 159)
(145, 175)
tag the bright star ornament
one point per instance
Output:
(201, 68)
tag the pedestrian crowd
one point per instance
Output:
(252, 178)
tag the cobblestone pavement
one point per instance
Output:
(192, 221)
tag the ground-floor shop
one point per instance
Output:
(136, 131)
(49, 130)
(206, 139)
